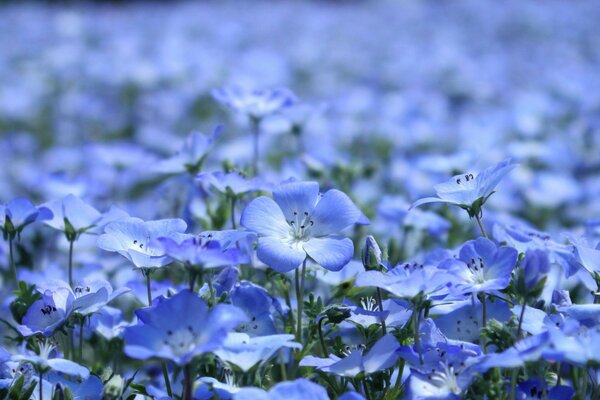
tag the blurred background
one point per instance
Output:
(402, 95)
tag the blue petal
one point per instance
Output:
(278, 254)
(333, 213)
(330, 253)
(299, 197)
(264, 217)
(69, 368)
(382, 355)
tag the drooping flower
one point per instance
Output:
(469, 190)
(205, 252)
(299, 223)
(180, 328)
(133, 238)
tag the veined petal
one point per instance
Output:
(264, 217)
(329, 252)
(279, 255)
(382, 355)
(299, 197)
(333, 213)
(427, 200)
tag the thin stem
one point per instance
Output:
(193, 276)
(478, 218)
(380, 306)
(255, 134)
(399, 377)
(583, 390)
(147, 273)
(417, 321)
(187, 381)
(211, 289)
(165, 372)
(513, 383)
(366, 388)
(81, 340)
(300, 300)
(41, 386)
(13, 267)
(521, 316)
(321, 339)
(233, 223)
(482, 298)
(71, 263)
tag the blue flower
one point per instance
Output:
(72, 216)
(19, 213)
(108, 323)
(45, 360)
(381, 356)
(49, 313)
(206, 253)
(257, 304)
(537, 388)
(300, 389)
(192, 154)
(482, 266)
(408, 280)
(180, 328)
(233, 183)
(299, 223)
(469, 190)
(256, 103)
(245, 351)
(133, 238)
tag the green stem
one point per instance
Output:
(188, 383)
(380, 306)
(481, 297)
(255, 135)
(321, 339)
(41, 386)
(366, 388)
(147, 273)
(81, 340)
(13, 267)
(165, 371)
(71, 263)
(417, 321)
(478, 218)
(211, 289)
(584, 384)
(513, 383)
(193, 276)
(521, 316)
(300, 300)
(399, 378)
(233, 223)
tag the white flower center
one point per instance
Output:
(447, 377)
(476, 268)
(182, 340)
(301, 226)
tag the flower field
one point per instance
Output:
(299, 200)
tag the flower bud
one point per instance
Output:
(371, 254)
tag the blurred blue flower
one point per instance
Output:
(206, 253)
(256, 103)
(180, 328)
(46, 360)
(300, 389)
(19, 213)
(537, 388)
(233, 183)
(299, 223)
(72, 216)
(257, 304)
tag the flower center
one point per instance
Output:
(301, 225)
(369, 304)
(446, 377)
(476, 270)
(182, 340)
